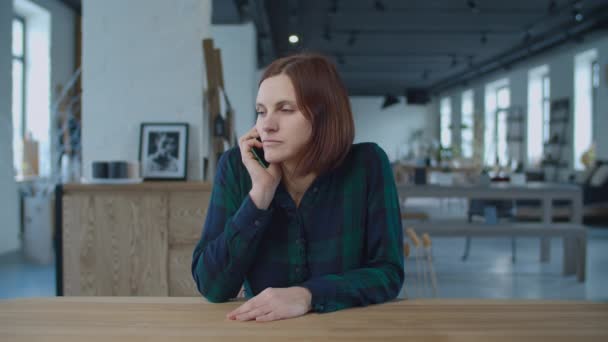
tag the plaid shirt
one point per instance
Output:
(344, 243)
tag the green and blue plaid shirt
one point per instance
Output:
(344, 242)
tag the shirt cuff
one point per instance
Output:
(248, 220)
(323, 293)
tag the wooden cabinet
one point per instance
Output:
(131, 240)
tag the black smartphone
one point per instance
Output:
(258, 153)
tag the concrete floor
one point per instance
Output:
(488, 273)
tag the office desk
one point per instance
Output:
(152, 319)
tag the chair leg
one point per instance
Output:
(513, 249)
(467, 247)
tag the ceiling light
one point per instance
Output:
(294, 39)
(389, 100)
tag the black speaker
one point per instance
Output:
(416, 96)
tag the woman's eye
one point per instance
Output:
(287, 110)
(259, 113)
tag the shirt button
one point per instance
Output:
(257, 223)
(315, 189)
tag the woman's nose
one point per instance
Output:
(269, 123)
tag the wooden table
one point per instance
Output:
(546, 193)
(152, 319)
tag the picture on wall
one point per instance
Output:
(163, 151)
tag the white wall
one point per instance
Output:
(561, 72)
(9, 240)
(142, 62)
(237, 44)
(390, 128)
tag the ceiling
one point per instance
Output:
(390, 46)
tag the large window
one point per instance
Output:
(583, 104)
(497, 103)
(539, 103)
(18, 110)
(467, 122)
(445, 112)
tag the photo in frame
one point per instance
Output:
(163, 151)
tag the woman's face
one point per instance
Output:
(283, 128)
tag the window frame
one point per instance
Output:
(22, 59)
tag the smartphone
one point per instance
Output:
(258, 153)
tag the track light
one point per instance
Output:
(327, 33)
(473, 6)
(552, 7)
(379, 6)
(334, 7)
(484, 38)
(340, 59)
(471, 57)
(425, 74)
(389, 100)
(454, 61)
(352, 39)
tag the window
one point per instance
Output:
(539, 103)
(467, 124)
(497, 103)
(583, 104)
(31, 89)
(18, 95)
(445, 111)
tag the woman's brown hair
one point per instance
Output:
(323, 100)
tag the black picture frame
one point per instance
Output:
(167, 159)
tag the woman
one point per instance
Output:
(319, 229)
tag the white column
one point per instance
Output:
(237, 44)
(9, 230)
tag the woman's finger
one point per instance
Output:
(254, 314)
(251, 134)
(271, 316)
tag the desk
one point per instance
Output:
(545, 192)
(152, 319)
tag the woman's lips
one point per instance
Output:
(271, 142)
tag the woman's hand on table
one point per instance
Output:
(274, 304)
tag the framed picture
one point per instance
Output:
(163, 151)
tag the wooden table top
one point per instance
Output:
(151, 319)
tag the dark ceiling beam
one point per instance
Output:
(266, 44)
(391, 21)
(560, 35)
(75, 5)
(225, 12)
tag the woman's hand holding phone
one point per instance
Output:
(264, 180)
